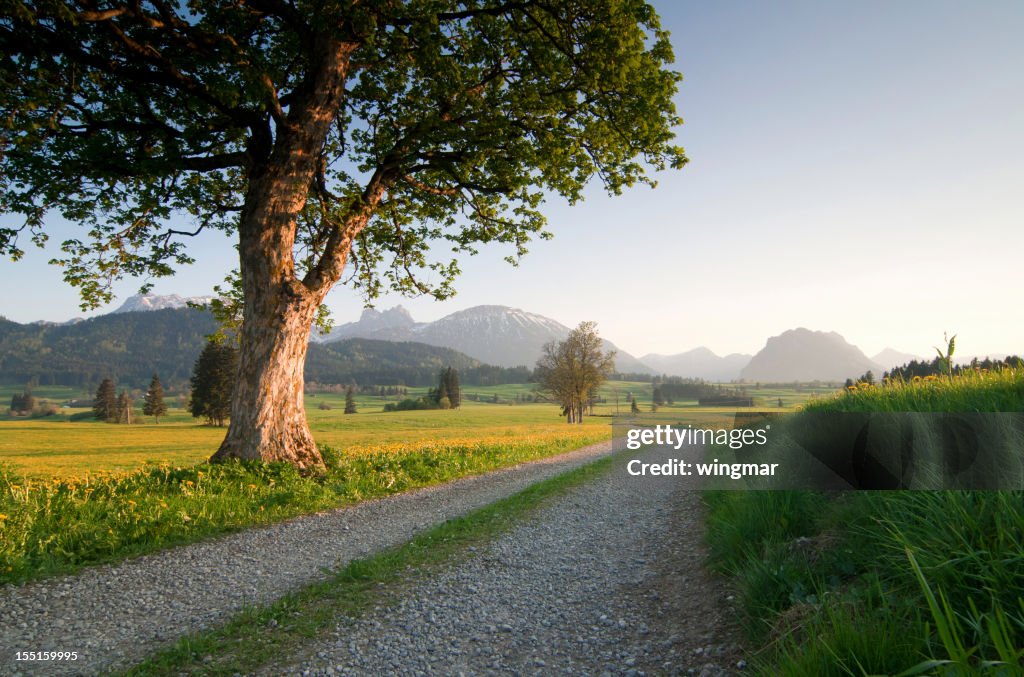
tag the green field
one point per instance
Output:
(55, 446)
(882, 582)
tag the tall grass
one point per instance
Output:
(980, 390)
(899, 582)
(52, 526)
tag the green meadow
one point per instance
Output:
(882, 582)
(74, 491)
(57, 446)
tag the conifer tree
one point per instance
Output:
(154, 405)
(105, 405)
(213, 381)
(350, 401)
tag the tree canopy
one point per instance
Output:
(333, 139)
(446, 120)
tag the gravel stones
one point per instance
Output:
(588, 586)
(116, 615)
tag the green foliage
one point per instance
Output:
(970, 390)
(350, 401)
(124, 408)
(465, 114)
(448, 383)
(213, 382)
(104, 407)
(368, 361)
(23, 402)
(154, 405)
(413, 404)
(946, 359)
(127, 347)
(882, 582)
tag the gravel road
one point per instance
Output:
(606, 580)
(116, 615)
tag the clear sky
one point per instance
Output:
(855, 167)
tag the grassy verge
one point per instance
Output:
(260, 635)
(858, 583)
(56, 526)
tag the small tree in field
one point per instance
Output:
(124, 407)
(213, 381)
(350, 401)
(104, 407)
(451, 387)
(572, 369)
(154, 404)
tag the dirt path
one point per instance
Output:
(606, 580)
(114, 616)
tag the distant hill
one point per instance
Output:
(805, 355)
(497, 335)
(127, 346)
(889, 358)
(369, 361)
(131, 346)
(698, 363)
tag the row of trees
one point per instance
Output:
(23, 402)
(939, 366)
(212, 382)
(111, 407)
(447, 394)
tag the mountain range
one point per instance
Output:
(498, 335)
(485, 335)
(699, 363)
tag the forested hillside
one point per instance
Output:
(131, 347)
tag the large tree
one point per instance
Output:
(572, 370)
(329, 137)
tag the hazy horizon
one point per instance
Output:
(853, 169)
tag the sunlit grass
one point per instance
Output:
(883, 582)
(54, 525)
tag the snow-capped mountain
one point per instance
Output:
(498, 335)
(144, 302)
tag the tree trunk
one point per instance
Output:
(268, 416)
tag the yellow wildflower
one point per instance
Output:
(2, 517)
